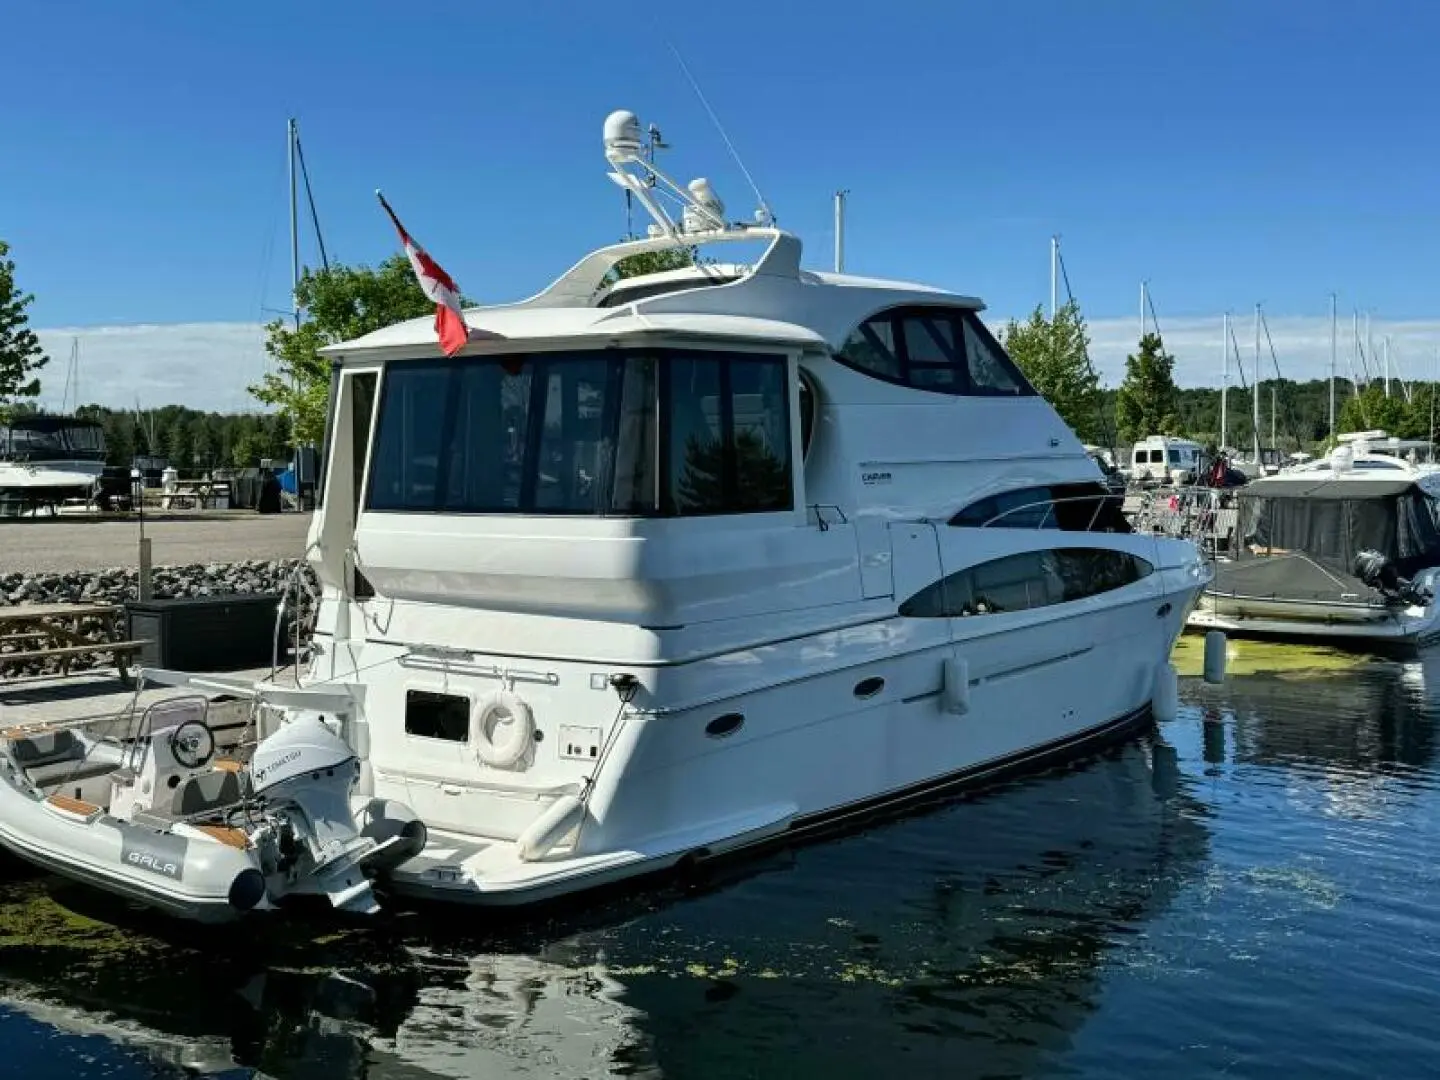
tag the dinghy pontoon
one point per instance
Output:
(162, 820)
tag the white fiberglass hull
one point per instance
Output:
(45, 477)
(818, 749)
(1409, 626)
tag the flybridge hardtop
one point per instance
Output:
(809, 307)
(772, 299)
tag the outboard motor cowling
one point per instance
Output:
(1378, 572)
(304, 773)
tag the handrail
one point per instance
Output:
(1099, 499)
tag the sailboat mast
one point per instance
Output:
(1142, 311)
(1332, 366)
(290, 136)
(1054, 275)
(1224, 375)
(1255, 419)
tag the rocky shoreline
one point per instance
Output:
(118, 584)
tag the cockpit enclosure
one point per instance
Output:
(37, 438)
(632, 432)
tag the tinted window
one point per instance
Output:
(437, 716)
(945, 350)
(1080, 507)
(1027, 580)
(633, 433)
(729, 437)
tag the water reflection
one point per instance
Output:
(976, 935)
(1376, 717)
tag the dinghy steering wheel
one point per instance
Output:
(192, 744)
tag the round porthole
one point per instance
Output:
(721, 726)
(867, 688)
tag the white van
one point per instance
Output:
(1161, 459)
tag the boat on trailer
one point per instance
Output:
(1343, 550)
(161, 819)
(660, 567)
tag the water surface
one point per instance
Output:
(1249, 888)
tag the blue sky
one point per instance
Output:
(1227, 151)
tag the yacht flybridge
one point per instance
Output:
(660, 567)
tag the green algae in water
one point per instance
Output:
(1245, 656)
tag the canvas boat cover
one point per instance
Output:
(1298, 537)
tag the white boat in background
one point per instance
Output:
(661, 567)
(1342, 549)
(45, 460)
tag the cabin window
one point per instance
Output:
(437, 716)
(1027, 580)
(944, 350)
(609, 432)
(1068, 507)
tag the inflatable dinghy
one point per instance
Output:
(161, 819)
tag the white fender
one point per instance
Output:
(955, 686)
(1165, 697)
(501, 729)
(1215, 657)
(549, 828)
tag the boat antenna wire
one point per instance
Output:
(1106, 407)
(764, 206)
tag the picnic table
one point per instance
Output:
(54, 631)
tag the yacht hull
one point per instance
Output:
(813, 754)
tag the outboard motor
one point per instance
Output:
(302, 775)
(1378, 572)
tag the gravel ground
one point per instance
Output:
(31, 545)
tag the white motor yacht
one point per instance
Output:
(660, 567)
(1343, 549)
(45, 460)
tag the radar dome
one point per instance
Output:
(622, 134)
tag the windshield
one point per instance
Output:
(52, 439)
(619, 432)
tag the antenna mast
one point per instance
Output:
(1142, 310)
(840, 230)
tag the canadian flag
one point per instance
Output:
(449, 322)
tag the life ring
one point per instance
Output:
(501, 729)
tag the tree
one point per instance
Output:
(651, 262)
(1053, 355)
(1371, 409)
(1147, 402)
(20, 353)
(343, 302)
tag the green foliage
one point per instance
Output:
(1053, 355)
(1147, 402)
(652, 262)
(1394, 415)
(342, 302)
(193, 441)
(20, 353)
